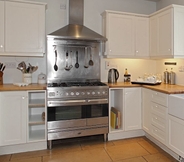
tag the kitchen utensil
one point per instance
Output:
(67, 67)
(86, 58)
(76, 64)
(1, 65)
(3, 68)
(55, 65)
(90, 61)
(22, 66)
(113, 75)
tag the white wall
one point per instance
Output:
(57, 18)
(161, 67)
(164, 3)
(136, 67)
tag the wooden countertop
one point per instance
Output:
(11, 87)
(165, 88)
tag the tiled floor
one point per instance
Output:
(93, 149)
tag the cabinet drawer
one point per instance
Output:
(158, 122)
(160, 98)
(158, 134)
(159, 110)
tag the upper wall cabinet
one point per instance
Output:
(166, 32)
(1, 26)
(22, 28)
(127, 34)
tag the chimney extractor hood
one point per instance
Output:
(75, 30)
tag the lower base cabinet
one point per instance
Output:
(128, 102)
(22, 117)
(13, 117)
(176, 135)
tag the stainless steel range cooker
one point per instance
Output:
(77, 109)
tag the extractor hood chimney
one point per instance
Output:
(75, 30)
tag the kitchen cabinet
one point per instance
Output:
(127, 34)
(121, 99)
(146, 110)
(36, 116)
(23, 27)
(155, 114)
(116, 101)
(1, 26)
(132, 109)
(176, 134)
(13, 117)
(166, 34)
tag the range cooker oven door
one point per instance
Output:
(63, 117)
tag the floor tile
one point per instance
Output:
(159, 157)
(129, 140)
(95, 144)
(30, 154)
(137, 159)
(37, 159)
(92, 155)
(149, 147)
(125, 151)
(4, 158)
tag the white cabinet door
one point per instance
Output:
(141, 37)
(153, 36)
(165, 33)
(25, 28)
(12, 118)
(1, 26)
(132, 98)
(146, 109)
(120, 35)
(176, 134)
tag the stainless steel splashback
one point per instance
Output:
(74, 74)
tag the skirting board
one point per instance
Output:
(125, 134)
(34, 146)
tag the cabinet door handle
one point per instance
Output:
(1, 46)
(23, 97)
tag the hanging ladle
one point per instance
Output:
(76, 64)
(67, 67)
(55, 65)
(86, 57)
(90, 61)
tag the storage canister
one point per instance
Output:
(166, 77)
(172, 77)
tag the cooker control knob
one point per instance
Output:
(77, 93)
(93, 93)
(72, 93)
(98, 92)
(83, 93)
(88, 93)
(103, 92)
(66, 93)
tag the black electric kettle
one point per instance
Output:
(113, 75)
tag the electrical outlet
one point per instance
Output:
(107, 65)
(10, 64)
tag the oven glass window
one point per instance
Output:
(65, 113)
(99, 110)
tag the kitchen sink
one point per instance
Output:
(176, 105)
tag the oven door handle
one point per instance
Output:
(98, 100)
(65, 102)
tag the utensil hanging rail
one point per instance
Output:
(75, 46)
